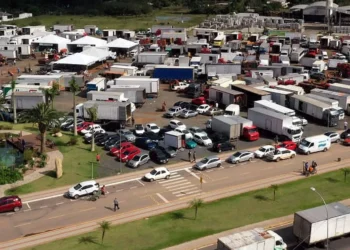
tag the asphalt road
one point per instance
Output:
(41, 214)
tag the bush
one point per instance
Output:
(56, 130)
(28, 155)
(31, 163)
(73, 141)
(43, 157)
(42, 164)
(9, 175)
(24, 170)
(6, 127)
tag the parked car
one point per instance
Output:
(199, 100)
(188, 134)
(223, 146)
(96, 135)
(157, 174)
(83, 188)
(197, 130)
(10, 203)
(208, 162)
(264, 151)
(70, 126)
(241, 156)
(138, 160)
(190, 144)
(67, 121)
(84, 125)
(202, 139)
(103, 140)
(90, 129)
(178, 104)
(288, 145)
(176, 124)
(139, 129)
(281, 154)
(152, 136)
(128, 154)
(120, 148)
(219, 137)
(214, 111)
(95, 131)
(188, 113)
(152, 127)
(158, 156)
(145, 143)
(173, 112)
(334, 136)
(113, 142)
(127, 134)
(168, 151)
(203, 108)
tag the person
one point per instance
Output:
(98, 157)
(103, 190)
(132, 121)
(345, 125)
(314, 166)
(116, 204)
(194, 155)
(306, 167)
(14, 62)
(189, 155)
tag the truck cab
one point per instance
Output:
(232, 109)
(294, 133)
(194, 90)
(251, 133)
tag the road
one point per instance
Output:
(43, 213)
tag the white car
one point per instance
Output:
(325, 55)
(157, 174)
(139, 129)
(152, 127)
(197, 130)
(97, 130)
(83, 188)
(203, 108)
(334, 136)
(176, 124)
(281, 154)
(202, 139)
(67, 121)
(264, 151)
(90, 129)
(188, 134)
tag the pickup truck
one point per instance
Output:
(179, 86)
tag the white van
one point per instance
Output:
(231, 110)
(314, 144)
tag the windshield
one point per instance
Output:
(138, 127)
(180, 123)
(136, 158)
(205, 160)
(229, 113)
(127, 152)
(328, 133)
(172, 110)
(294, 131)
(205, 138)
(262, 149)
(154, 127)
(127, 133)
(305, 143)
(237, 154)
(77, 187)
(153, 172)
(253, 130)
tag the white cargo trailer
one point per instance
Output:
(136, 94)
(333, 103)
(338, 87)
(26, 100)
(152, 57)
(297, 90)
(342, 98)
(280, 97)
(269, 105)
(173, 139)
(150, 84)
(106, 96)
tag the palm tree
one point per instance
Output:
(196, 203)
(345, 171)
(104, 226)
(274, 187)
(13, 101)
(92, 113)
(74, 88)
(51, 93)
(43, 115)
(87, 239)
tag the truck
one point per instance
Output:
(26, 100)
(316, 109)
(318, 66)
(235, 127)
(342, 98)
(269, 105)
(10, 54)
(307, 61)
(173, 139)
(254, 239)
(96, 84)
(151, 85)
(333, 63)
(7, 90)
(106, 111)
(106, 96)
(313, 226)
(151, 57)
(222, 68)
(251, 94)
(280, 97)
(194, 90)
(275, 123)
(333, 103)
(297, 90)
(136, 95)
(173, 73)
(339, 87)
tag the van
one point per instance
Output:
(314, 144)
(231, 110)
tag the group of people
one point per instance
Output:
(191, 156)
(310, 169)
(115, 201)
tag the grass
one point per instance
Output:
(177, 227)
(128, 22)
(76, 164)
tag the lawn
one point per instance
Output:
(170, 15)
(177, 227)
(76, 163)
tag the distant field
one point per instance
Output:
(168, 16)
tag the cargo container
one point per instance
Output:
(269, 105)
(27, 100)
(338, 87)
(173, 73)
(280, 97)
(251, 94)
(96, 84)
(342, 98)
(151, 85)
(7, 90)
(173, 139)
(222, 68)
(136, 94)
(106, 96)
(151, 57)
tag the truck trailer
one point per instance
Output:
(173, 73)
(297, 90)
(151, 85)
(106, 96)
(338, 87)
(280, 97)
(27, 100)
(136, 95)
(251, 94)
(96, 84)
(269, 105)
(222, 68)
(151, 57)
(342, 98)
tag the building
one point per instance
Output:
(4, 16)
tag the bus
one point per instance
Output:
(296, 55)
(7, 90)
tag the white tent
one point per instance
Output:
(121, 43)
(52, 41)
(78, 59)
(100, 53)
(88, 40)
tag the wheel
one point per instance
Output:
(337, 141)
(292, 156)
(16, 209)
(94, 193)
(167, 177)
(278, 159)
(250, 159)
(325, 149)
(205, 168)
(76, 197)
(219, 165)
(234, 162)
(151, 180)
(219, 150)
(308, 152)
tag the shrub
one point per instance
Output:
(24, 170)
(6, 127)
(56, 130)
(27, 155)
(9, 175)
(42, 164)
(31, 163)
(73, 141)
(43, 157)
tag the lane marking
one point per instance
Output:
(194, 175)
(173, 183)
(162, 197)
(139, 181)
(177, 185)
(190, 189)
(245, 173)
(28, 206)
(60, 203)
(133, 187)
(43, 207)
(24, 224)
(171, 179)
(188, 193)
(185, 186)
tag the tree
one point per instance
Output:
(92, 113)
(274, 187)
(52, 92)
(2, 105)
(104, 226)
(87, 239)
(196, 203)
(43, 115)
(345, 171)
(13, 101)
(74, 88)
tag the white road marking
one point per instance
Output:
(170, 180)
(28, 205)
(174, 182)
(194, 175)
(20, 225)
(60, 203)
(27, 210)
(193, 192)
(141, 183)
(177, 185)
(162, 197)
(43, 207)
(182, 187)
(245, 173)
(186, 189)
(119, 190)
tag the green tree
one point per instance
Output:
(87, 240)
(274, 187)
(52, 92)
(43, 115)
(9, 175)
(196, 203)
(92, 113)
(13, 101)
(104, 226)
(345, 171)
(74, 88)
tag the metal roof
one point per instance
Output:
(269, 113)
(226, 90)
(310, 100)
(319, 214)
(250, 89)
(231, 119)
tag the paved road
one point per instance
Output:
(41, 214)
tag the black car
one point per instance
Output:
(178, 104)
(168, 151)
(185, 105)
(96, 135)
(162, 131)
(158, 156)
(345, 134)
(223, 146)
(152, 136)
(111, 126)
(115, 141)
(103, 141)
(219, 137)
(145, 143)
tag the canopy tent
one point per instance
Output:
(100, 53)
(78, 59)
(51, 42)
(121, 43)
(86, 41)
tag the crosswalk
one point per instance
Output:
(180, 186)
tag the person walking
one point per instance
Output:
(345, 125)
(189, 156)
(103, 190)
(194, 155)
(116, 204)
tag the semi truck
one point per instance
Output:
(252, 94)
(26, 100)
(339, 87)
(316, 109)
(275, 123)
(96, 84)
(342, 98)
(173, 73)
(280, 97)
(269, 105)
(106, 111)
(151, 85)
(235, 127)
(254, 239)
(318, 66)
(136, 95)
(313, 226)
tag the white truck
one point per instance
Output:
(313, 226)
(26, 100)
(150, 84)
(339, 87)
(334, 104)
(278, 96)
(255, 239)
(297, 90)
(96, 84)
(269, 105)
(318, 66)
(231, 110)
(342, 98)
(276, 123)
(173, 139)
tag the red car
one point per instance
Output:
(120, 148)
(10, 203)
(288, 145)
(128, 154)
(346, 141)
(199, 101)
(84, 125)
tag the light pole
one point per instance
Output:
(325, 205)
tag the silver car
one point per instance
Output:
(241, 156)
(208, 162)
(138, 160)
(127, 134)
(188, 113)
(172, 112)
(334, 136)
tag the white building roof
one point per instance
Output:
(89, 40)
(299, 7)
(78, 59)
(121, 43)
(53, 39)
(99, 53)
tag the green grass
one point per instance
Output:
(109, 22)
(177, 227)
(76, 163)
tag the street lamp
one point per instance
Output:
(325, 205)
